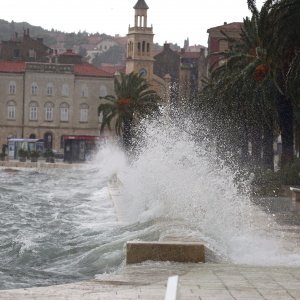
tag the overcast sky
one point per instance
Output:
(173, 21)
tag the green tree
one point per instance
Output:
(133, 100)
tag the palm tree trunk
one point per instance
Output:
(127, 133)
(268, 152)
(243, 144)
(256, 142)
(286, 123)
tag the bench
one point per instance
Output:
(295, 193)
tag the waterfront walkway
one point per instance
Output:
(204, 281)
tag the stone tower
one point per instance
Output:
(140, 43)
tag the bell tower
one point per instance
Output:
(140, 43)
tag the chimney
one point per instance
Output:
(225, 23)
(166, 46)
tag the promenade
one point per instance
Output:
(196, 281)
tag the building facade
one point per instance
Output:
(186, 69)
(25, 48)
(218, 41)
(173, 75)
(50, 100)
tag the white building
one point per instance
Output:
(50, 100)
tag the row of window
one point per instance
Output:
(48, 111)
(65, 90)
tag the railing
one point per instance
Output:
(47, 67)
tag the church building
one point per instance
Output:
(173, 75)
(140, 51)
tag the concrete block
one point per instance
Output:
(139, 251)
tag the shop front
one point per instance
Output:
(80, 148)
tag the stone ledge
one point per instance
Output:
(139, 251)
(40, 164)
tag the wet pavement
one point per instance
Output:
(196, 281)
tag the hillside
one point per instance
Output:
(84, 43)
(8, 30)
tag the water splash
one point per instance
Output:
(179, 179)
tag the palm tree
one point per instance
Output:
(242, 91)
(282, 47)
(286, 68)
(132, 101)
(257, 87)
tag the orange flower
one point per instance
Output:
(261, 71)
(123, 101)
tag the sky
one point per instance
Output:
(173, 21)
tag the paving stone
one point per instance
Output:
(196, 281)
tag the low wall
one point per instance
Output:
(139, 251)
(39, 164)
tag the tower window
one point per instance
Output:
(143, 47)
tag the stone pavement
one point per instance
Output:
(197, 281)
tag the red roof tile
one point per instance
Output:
(12, 66)
(86, 69)
(112, 69)
(229, 26)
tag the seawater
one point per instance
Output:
(58, 226)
